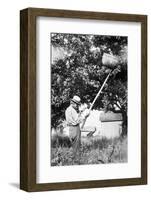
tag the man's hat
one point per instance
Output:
(76, 100)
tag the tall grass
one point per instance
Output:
(94, 150)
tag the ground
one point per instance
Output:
(94, 150)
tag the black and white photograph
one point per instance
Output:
(88, 99)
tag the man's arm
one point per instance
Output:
(77, 118)
(74, 118)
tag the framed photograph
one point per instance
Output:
(83, 99)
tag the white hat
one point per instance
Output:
(76, 99)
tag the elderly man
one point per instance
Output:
(74, 118)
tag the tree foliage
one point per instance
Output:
(81, 72)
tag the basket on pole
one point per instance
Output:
(110, 60)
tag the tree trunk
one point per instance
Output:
(124, 124)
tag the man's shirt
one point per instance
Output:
(72, 116)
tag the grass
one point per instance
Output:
(94, 150)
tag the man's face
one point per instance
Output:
(75, 106)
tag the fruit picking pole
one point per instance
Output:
(96, 97)
(99, 91)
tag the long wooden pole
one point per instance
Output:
(96, 98)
